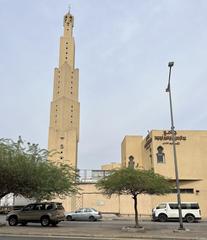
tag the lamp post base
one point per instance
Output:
(181, 229)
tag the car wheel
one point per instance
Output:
(69, 218)
(189, 218)
(45, 221)
(92, 218)
(13, 221)
(162, 218)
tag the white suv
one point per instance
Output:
(169, 210)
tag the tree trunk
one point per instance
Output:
(136, 211)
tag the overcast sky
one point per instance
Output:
(122, 51)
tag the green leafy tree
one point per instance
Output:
(133, 182)
(25, 170)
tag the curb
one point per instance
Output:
(141, 220)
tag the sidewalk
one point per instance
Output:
(109, 229)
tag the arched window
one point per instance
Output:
(160, 155)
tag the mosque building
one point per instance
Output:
(151, 152)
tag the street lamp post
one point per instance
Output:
(170, 65)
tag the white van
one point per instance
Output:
(169, 210)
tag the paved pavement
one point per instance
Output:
(109, 229)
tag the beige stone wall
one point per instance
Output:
(91, 197)
(131, 146)
(191, 154)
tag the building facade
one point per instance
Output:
(110, 166)
(155, 152)
(65, 107)
(151, 152)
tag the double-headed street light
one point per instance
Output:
(170, 65)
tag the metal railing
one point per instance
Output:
(92, 176)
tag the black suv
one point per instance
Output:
(45, 212)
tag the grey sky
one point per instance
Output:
(122, 51)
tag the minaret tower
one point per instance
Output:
(65, 107)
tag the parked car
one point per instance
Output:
(84, 214)
(46, 213)
(169, 210)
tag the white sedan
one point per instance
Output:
(84, 214)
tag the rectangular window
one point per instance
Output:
(184, 205)
(184, 190)
(173, 206)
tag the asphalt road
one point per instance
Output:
(35, 238)
(51, 238)
(61, 238)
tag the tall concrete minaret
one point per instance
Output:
(65, 107)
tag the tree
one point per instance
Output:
(25, 170)
(133, 182)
